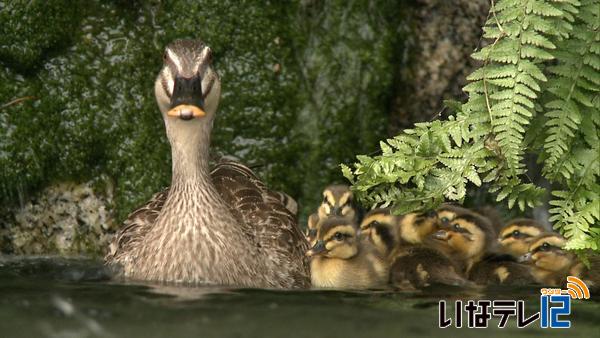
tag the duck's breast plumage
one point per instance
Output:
(264, 215)
(136, 225)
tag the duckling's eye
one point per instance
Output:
(545, 247)
(444, 220)
(516, 233)
(338, 236)
(456, 226)
(165, 56)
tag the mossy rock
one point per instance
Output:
(289, 107)
(32, 30)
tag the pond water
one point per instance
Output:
(58, 297)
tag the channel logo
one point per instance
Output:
(555, 307)
(577, 288)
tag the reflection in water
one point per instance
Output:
(58, 297)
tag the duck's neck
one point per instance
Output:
(189, 153)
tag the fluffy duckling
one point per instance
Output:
(394, 230)
(339, 259)
(447, 212)
(516, 236)
(551, 264)
(385, 223)
(338, 201)
(417, 266)
(412, 266)
(311, 228)
(469, 240)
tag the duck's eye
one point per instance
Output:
(338, 236)
(516, 233)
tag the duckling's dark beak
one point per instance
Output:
(187, 100)
(337, 211)
(317, 249)
(526, 258)
(441, 235)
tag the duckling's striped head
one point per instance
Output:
(336, 238)
(187, 86)
(375, 218)
(546, 251)
(415, 227)
(448, 212)
(337, 201)
(380, 227)
(465, 237)
(517, 234)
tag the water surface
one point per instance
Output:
(58, 297)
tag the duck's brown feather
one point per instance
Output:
(270, 214)
(275, 226)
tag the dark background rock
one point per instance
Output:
(306, 85)
(443, 36)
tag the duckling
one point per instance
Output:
(410, 228)
(551, 263)
(338, 200)
(469, 240)
(339, 259)
(418, 266)
(516, 236)
(387, 237)
(311, 228)
(448, 212)
(412, 266)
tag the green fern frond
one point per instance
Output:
(518, 102)
(573, 86)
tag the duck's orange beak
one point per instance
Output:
(186, 112)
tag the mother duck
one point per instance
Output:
(219, 227)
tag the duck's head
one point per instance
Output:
(337, 201)
(516, 236)
(187, 89)
(465, 237)
(546, 252)
(336, 238)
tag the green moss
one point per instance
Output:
(304, 88)
(346, 54)
(31, 29)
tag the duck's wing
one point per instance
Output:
(136, 225)
(269, 215)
